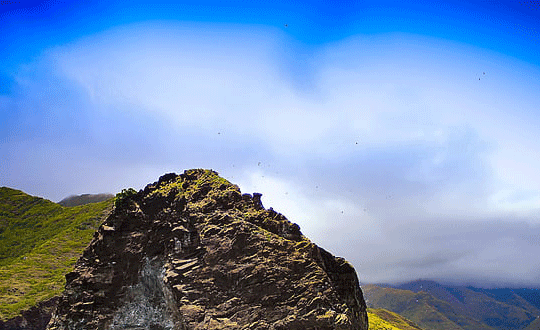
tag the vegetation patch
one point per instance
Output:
(39, 244)
(382, 319)
(123, 196)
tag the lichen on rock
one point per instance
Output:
(191, 252)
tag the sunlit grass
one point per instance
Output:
(40, 243)
(381, 319)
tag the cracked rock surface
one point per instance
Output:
(191, 252)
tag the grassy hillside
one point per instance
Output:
(40, 241)
(423, 309)
(527, 299)
(25, 222)
(381, 319)
(498, 308)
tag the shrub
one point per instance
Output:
(123, 196)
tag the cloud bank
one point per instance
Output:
(412, 157)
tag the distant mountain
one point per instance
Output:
(76, 200)
(435, 306)
(421, 308)
(39, 243)
(514, 296)
(498, 308)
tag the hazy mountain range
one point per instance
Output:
(76, 200)
(436, 306)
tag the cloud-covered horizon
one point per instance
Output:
(413, 157)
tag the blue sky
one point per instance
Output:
(400, 136)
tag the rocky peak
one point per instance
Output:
(191, 252)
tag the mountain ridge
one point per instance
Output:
(464, 306)
(83, 199)
(191, 252)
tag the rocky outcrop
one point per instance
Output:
(191, 252)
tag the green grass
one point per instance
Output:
(39, 243)
(206, 178)
(381, 319)
(25, 222)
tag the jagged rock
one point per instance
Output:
(191, 252)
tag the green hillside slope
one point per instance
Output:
(502, 309)
(25, 222)
(422, 308)
(381, 319)
(39, 243)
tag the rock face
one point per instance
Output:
(191, 252)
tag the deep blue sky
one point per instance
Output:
(509, 27)
(399, 135)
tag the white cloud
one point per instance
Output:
(394, 130)
(321, 217)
